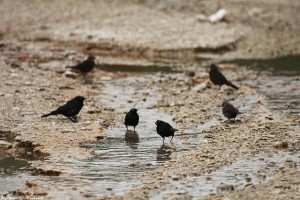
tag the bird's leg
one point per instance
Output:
(171, 138)
(163, 140)
(134, 128)
(73, 119)
(127, 127)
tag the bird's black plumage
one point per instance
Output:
(85, 66)
(70, 109)
(229, 111)
(132, 118)
(218, 78)
(164, 129)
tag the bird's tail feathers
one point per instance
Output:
(232, 85)
(175, 129)
(51, 113)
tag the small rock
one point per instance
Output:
(190, 73)
(269, 118)
(248, 185)
(68, 131)
(281, 145)
(200, 87)
(224, 187)
(218, 16)
(100, 137)
(106, 78)
(15, 65)
(85, 129)
(30, 184)
(70, 74)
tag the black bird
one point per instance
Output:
(229, 111)
(164, 129)
(70, 109)
(85, 66)
(132, 118)
(218, 78)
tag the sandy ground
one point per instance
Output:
(41, 37)
(156, 30)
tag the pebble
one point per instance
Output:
(279, 145)
(106, 78)
(224, 187)
(70, 74)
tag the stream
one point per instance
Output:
(124, 155)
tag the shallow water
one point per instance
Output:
(242, 173)
(281, 66)
(136, 68)
(13, 174)
(282, 88)
(123, 155)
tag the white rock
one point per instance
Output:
(218, 16)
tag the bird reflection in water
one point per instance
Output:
(132, 139)
(164, 152)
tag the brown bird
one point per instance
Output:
(218, 78)
(229, 111)
(85, 66)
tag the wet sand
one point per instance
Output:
(34, 52)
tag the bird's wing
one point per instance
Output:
(220, 76)
(63, 108)
(231, 109)
(80, 65)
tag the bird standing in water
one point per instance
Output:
(85, 66)
(164, 129)
(132, 118)
(218, 78)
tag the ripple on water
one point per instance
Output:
(13, 174)
(123, 155)
(255, 170)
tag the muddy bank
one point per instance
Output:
(27, 93)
